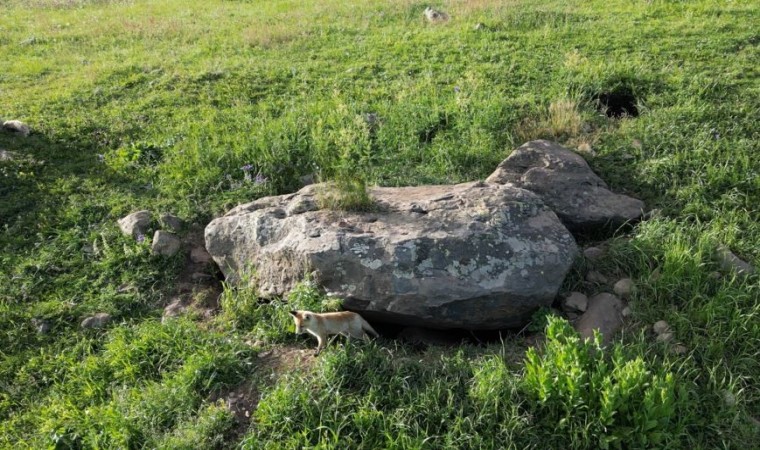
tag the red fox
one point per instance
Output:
(322, 325)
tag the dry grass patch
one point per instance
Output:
(562, 121)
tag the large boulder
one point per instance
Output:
(472, 255)
(566, 183)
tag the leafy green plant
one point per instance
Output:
(598, 401)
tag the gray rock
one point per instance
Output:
(661, 327)
(165, 243)
(679, 349)
(665, 337)
(42, 325)
(730, 262)
(481, 256)
(596, 277)
(603, 314)
(99, 320)
(199, 255)
(435, 16)
(575, 302)
(171, 222)
(563, 179)
(593, 253)
(135, 224)
(623, 288)
(626, 312)
(16, 127)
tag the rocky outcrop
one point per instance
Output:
(568, 186)
(472, 255)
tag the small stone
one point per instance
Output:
(593, 253)
(435, 16)
(41, 325)
(135, 224)
(661, 327)
(575, 302)
(16, 127)
(165, 243)
(603, 314)
(572, 315)
(730, 262)
(623, 288)
(679, 349)
(626, 312)
(199, 255)
(714, 275)
(171, 222)
(665, 337)
(99, 320)
(596, 277)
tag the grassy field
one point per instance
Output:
(160, 104)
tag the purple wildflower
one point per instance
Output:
(260, 179)
(140, 238)
(456, 89)
(247, 168)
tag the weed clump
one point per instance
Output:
(595, 401)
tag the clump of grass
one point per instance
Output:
(345, 194)
(563, 120)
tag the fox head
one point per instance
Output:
(301, 318)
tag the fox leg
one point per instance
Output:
(320, 345)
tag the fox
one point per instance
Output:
(321, 325)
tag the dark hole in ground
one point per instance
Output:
(617, 104)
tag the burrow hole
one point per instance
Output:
(617, 104)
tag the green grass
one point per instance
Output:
(178, 97)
